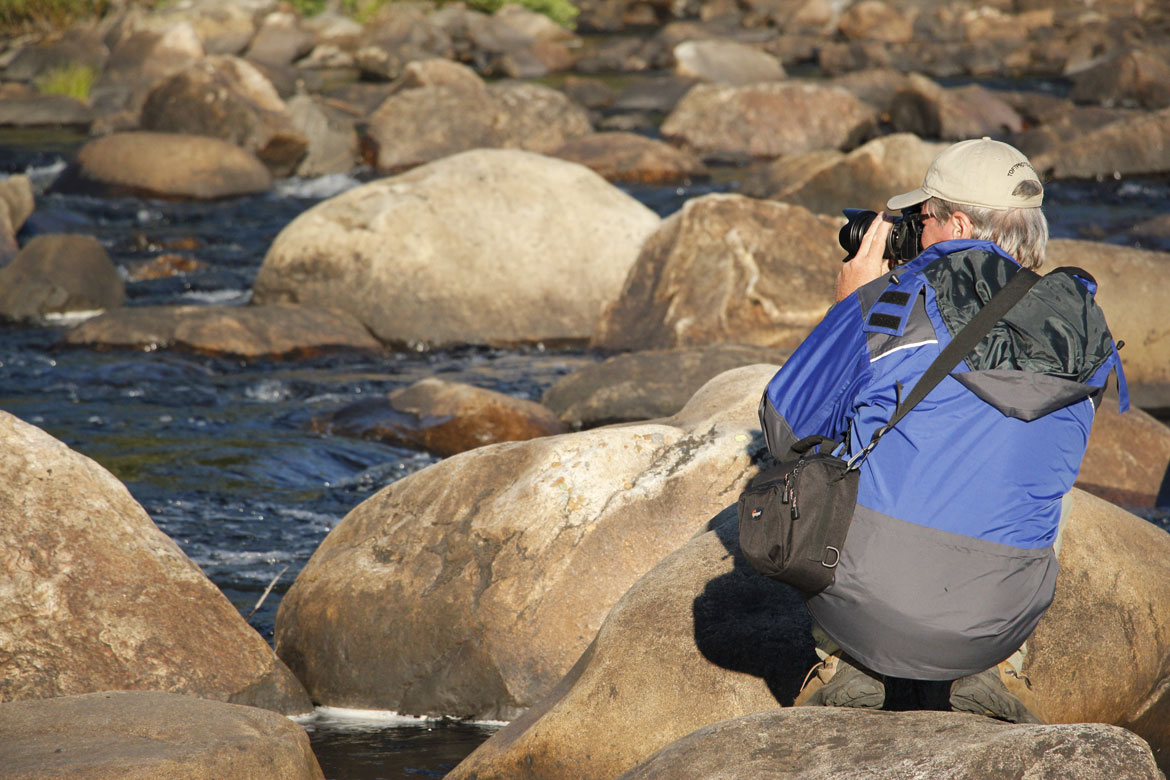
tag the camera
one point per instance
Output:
(902, 244)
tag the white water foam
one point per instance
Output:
(41, 176)
(71, 317)
(356, 718)
(320, 187)
(219, 297)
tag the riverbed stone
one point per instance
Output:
(874, 20)
(1130, 77)
(756, 120)
(631, 157)
(276, 330)
(930, 110)
(97, 598)
(726, 268)
(419, 125)
(828, 181)
(16, 205)
(143, 735)
(511, 273)
(45, 111)
(471, 587)
(59, 274)
(646, 385)
(168, 165)
(223, 26)
(1132, 305)
(831, 743)
(280, 40)
(1127, 458)
(397, 34)
(443, 418)
(703, 626)
(725, 62)
(1137, 145)
(332, 139)
(228, 98)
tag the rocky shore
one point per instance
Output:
(569, 566)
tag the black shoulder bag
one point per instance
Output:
(794, 516)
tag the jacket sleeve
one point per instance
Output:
(813, 393)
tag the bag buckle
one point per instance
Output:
(836, 560)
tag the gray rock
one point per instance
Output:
(1131, 77)
(756, 120)
(280, 40)
(836, 743)
(725, 62)
(16, 205)
(631, 157)
(931, 111)
(726, 268)
(223, 26)
(471, 587)
(645, 385)
(96, 598)
(244, 331)
(72, 48)
(1112, 469)
(1139, 144)
(167, 165)
(56, 275)
(140, 735)
(389, 253)
(333, 141)
(45, 110)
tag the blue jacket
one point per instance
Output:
(949, 564)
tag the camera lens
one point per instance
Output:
(850, 235)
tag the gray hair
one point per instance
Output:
(1022, 233)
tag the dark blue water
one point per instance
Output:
(219, 451)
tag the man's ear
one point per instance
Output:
(963, 226)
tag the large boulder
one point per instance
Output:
(168, 165)
(333, 141)
(489, 246)
(222, 26)
(1130, 77)
(831, 743)
(725, 62)
(927, 109)
(139, 735)
(1127, 458)
(228, 98)
(45, 110)
(726, 268)
(646, 385)
(470, 587)
(768, 120)
(16, 205)
(59, 274)
(93, 597)
(1136, 145)
(415, 126)
(631, 157)
(1133, 307)
(703, 638)
(827, 181)
(276, 330)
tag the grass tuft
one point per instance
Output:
(71, 80)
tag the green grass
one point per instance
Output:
(16, 15)
(73, 81)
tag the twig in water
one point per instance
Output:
(264, 595)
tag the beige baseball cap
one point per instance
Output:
(979, 172)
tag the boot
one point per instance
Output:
(985, 694)
(852, 685)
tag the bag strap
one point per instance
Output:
(961, 345)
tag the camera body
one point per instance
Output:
(903, 243)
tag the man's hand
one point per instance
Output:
(868, 264)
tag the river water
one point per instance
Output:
(219, 451)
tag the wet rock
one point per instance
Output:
(386, 251)
(333, 141)
(419, 125)
(277, 330)
(59, 274)
(653, 93)
(1133, 307)
(228, 98)
(645, 385)
(725, 62)
(1131, 77)
(589, 92)
(932, 111)
(612, 55)
(45, 111)
(443, 418)
(703, 626)
(1136, 145)
(96, 598)
(139, 61)
(168, 165)
(280, 40)
(138, 734)
(756, 120)
(470, 587)
(874, 20)
(631, 157)
(903, 745)
(726, 268)
(1127, 458)
(827, 181)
